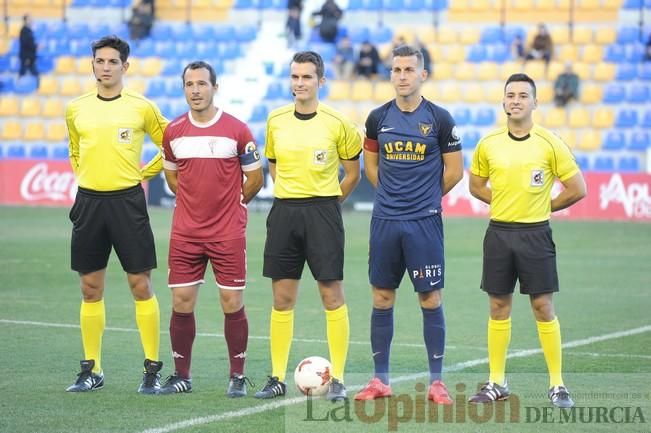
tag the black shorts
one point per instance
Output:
(519, 251)
(299, 230)
(118, 219)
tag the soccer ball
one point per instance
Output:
(312, 376)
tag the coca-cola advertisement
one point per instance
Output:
(37, 182)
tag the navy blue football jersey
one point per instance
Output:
(410, 146)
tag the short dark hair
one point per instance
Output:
(113, 41)
(310, 57)
(408, 51)
(200, 64)
(523, 78)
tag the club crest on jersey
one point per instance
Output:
(425, 128)
(320, 157)
(124, 135)
(537, 177)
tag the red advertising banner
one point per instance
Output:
(611, 196)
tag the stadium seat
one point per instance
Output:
(555, 118)
(583, 162)
(604, 72)
(60, 152)
(644, 71)
(535, 69)
(464, 71)
(461, 116)
(151, 67)
(259, 113)
(639, 94)
(603, 163)
(615, 53)
(30, 106)
(646, 119)
(614, 140)
(560, 35)
(70, 87)
(442, 71)
(590, 94)
(25, 85)
(628, 164)
(449, 93)
(499, 53)
(383, 91)
(603, 118)
(53, 107)
(484, 116)
(49, 86)
(605, 35)
(569, 137)
(488, 71)
(65, 65)
(473, 93)
(582, 35)
(430, 90)
(545, 92)
(590, 141)
(470, 138)
(568, 53)
(9, 106)
(339, 90)
(16, 151)
(640, 141)
(469, 36)
(381, 35)
(455, 53)
(476, 53)
(34, 131)
(627, 35)
(626, 72)
(491, 35)
(614, 93)
(38, 152)
(626, 118)
(362, 90)
(11, 130)
(592, 54)
(579, 118)
(56, 131)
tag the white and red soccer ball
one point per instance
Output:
(312, 376)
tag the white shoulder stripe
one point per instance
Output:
(204, 147)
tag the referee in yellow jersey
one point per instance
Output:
(521, 161)
(306, 142)
(107, 128)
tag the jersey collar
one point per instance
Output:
(211, 122)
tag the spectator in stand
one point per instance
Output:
(566, 86)
(142, 18)
(330, 14)
(293, 25)
(647, 50)
(27, 48)
(517, 48)
(344, 60)
(369, 60)
(542, 46)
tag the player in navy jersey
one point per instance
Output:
(212, 165)
(412, 155)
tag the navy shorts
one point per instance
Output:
(412, 245)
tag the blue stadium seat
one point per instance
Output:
(144, 48)
(355, 5)
(359, 34)
(626, 118)
(243, 4)
(632, 4)
(583, 162)
(5, 62)
(381, 35)
(16, 151)
(439, 5)
(6, 83)
(476, 53)
(174, 87)
(259, 113)
(646, 119)
(155, 88)
(639, 94)
(614, 93)
(274, 91)
(627, 35)
(245, 33)
(499, 53)
(25, 84)
(628, 164)
(415, 5)
(229, 51)
(60, 152)
(644, 71)
(470, 138)
(373, 5)
(604, 163)
(615, 53)
(165, 108)
(182, 32)
(491, 35)
(148, 153)
(44, 64)
(635, 53)
(462, 116)
(640, 141)
(259, 136)
(161, 31)
(511, 32)
(172, 67)
(484, 116)
(394, 5)
(97, 31)
(614, 140)
(626, 72)
(38, 152)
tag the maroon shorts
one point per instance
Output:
(187, 263)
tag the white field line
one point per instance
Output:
(456, 367)
(207, 334)
(606, 355)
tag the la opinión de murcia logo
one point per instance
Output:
(634, 198)
(39, 184)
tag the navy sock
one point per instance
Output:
(434, 335)
(381, 336)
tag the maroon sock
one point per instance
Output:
(182, 332)
(236, 331)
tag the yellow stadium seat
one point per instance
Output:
(407, 33)
(469, 35)
(65, 65)
(560, 35)
(604, 72)
(53, 107)
(460, 5)
(480, 5)
(383, 91)
(88, 85)
(455, 53)
(589, 5)
(85, 65)
(545, 5)
(590, 141)
(535, 69)
(582, 35)
(56, 131)
(134, 66)
(4, 45)
(70, 87)
(9, 106)
(436, 52)
(442, 71)
(446, 35)
(579, 118)
(138, 85)
(339, 90)
(49, 86)
(555, 68)
(427, 35)
(488, 71)
(12, 130)
(605, 35)
(464, 71)
(34, 131)
(510, 68)
(592, 54)
(590, 94)
(430, 90)
(449, 92)
(612, 4)
(30, 106)
(495, 93)
(151, 67)
(568, 53)
(555, 118)
(583, 70)
(523, 5)
(603, 118)
(473, 93)
(569, 137)
(544, 92)
(362, 90)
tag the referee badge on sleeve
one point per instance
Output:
(537, 177)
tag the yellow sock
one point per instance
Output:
(281, 332)
(338, 328)
(550, 341)
(92, 318)
(148, 320)
(499, 337)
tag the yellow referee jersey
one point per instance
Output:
(307, 152)
(521, 172)
(106, 138)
